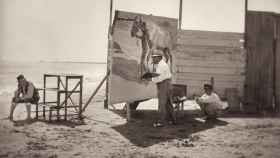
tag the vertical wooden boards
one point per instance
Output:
(259, 77)
(277, 71)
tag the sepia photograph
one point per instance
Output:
(139, 79)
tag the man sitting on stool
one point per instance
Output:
(210, 103)
(26, 93)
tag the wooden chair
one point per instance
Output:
(179, 95)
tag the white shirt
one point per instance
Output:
(163, 70)
(213, 99)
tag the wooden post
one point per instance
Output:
(58, 98)
(81, 97)
(180, 14)
(44, 90)
(128, 112)
(94, 93)
(245, 24)
(274, 65)
(44, 112)
(277, 64)
(37, 111)
(108, 56)
(212, 82)
(245, 36)
(66, 98)
(110, 18)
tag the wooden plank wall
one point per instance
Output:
(277, 42)
(200, 55)
(259, 77)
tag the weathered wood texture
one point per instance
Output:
(201, 55)
(259, 77)
(277, 79)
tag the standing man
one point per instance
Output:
(164, 90)
(25, 93)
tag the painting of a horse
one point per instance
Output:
(152, 37)
(135, 37)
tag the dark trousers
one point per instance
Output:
(29, 100)
(165, 104)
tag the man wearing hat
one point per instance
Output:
(25, 93)
(164, 89)
(210, 103)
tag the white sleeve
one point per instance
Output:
(217, 98)
(208, 98)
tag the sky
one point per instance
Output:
(76, 30)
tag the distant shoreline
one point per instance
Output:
(43, 61)
(78, 62)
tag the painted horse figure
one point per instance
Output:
(152, 37)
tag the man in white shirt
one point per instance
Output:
(210, 103)
(164, 89)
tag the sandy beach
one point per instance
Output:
(106, 133)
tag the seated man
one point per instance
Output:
(210, 103)
(26, 93)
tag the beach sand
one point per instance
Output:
(106, 133)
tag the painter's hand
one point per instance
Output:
(22, 99)
(197, 100)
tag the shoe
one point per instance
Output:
(227, 108)
(204, 117)
(171, 122)
(157, 124)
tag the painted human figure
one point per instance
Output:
(139, 30)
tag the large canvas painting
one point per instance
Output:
(135, 37)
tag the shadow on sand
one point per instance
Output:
(140, 130)
(69, 123)
(250, 115)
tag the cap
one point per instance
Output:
(208, 86)
(156, 53)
